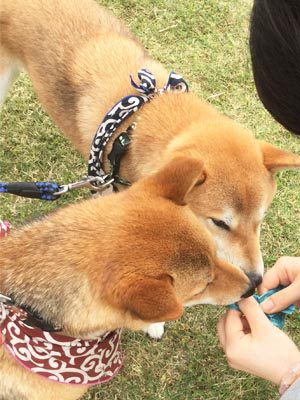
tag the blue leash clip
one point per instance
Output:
(277, 319)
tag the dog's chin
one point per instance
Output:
(202, 299)
(198, 299)
(195, 302)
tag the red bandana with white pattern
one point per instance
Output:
(61, 359)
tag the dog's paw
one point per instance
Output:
(155, 331)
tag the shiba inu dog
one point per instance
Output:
(79, 58)
(124, 260)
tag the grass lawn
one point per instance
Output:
(206, 42)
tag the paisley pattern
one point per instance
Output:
(60, 358)
(122, 110)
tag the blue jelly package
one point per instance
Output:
(277, 319)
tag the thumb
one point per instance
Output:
(282, 299)
(255, 316)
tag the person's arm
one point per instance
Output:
(252, 344)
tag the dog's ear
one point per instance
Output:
(152, 300)
(175, 180)
(276, 159)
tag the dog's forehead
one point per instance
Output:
(233, 200)
(250, 198)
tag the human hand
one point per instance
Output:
(286, 271)
(252, 344)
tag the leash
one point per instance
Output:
(97, 180)
(34, 190)
(51, 191)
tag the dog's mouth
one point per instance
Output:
(195, 298)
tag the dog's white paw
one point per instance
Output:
(155, 331)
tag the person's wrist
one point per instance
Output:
(290, 377)
(282, 369)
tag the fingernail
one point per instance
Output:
(267, 305)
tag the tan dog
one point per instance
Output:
(121, 261)
(79, 58)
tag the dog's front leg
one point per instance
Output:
(156, 330)
(9, 70)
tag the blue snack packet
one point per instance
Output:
(277, 319)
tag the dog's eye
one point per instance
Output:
(220, 224)
(200, 182)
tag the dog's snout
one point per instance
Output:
(255, 280)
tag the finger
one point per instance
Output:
(246, 326)
(274, 277)
(282, 299)
(255, 316)
(284, 272)
(261, 289)
(234, 327)
(221, 331)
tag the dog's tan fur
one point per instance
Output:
(121, 261)
(79, 58)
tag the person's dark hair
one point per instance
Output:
(275, 54)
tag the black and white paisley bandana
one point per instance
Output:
(122, 110)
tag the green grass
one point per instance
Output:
(205, 41)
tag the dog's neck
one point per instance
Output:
(47, 283)
(49, 301)
(156, 130)
(157, 123)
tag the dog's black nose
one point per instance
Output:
(255, 280)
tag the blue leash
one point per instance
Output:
(35, 190)
(277, 319)
(51, 191)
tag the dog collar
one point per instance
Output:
(120, 112)
(61, 359)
